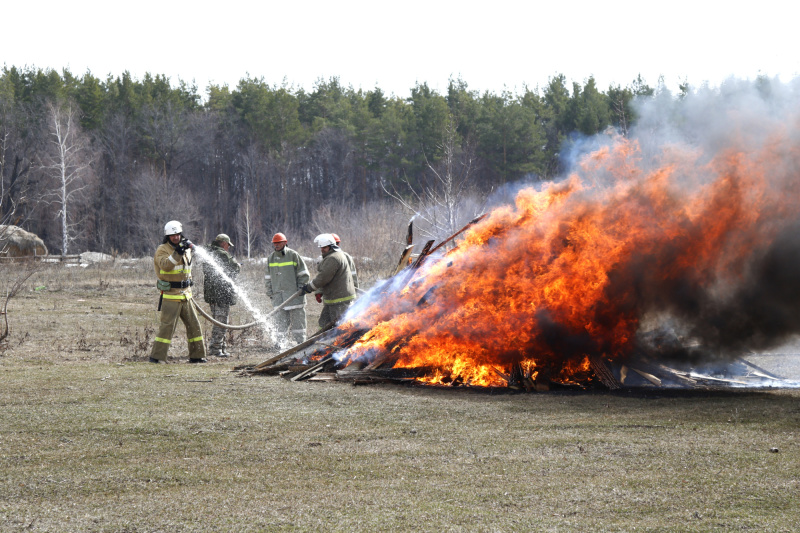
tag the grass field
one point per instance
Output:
(94, 438)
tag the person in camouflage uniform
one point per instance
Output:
(334, 280)
(219, 292)
(287, 272)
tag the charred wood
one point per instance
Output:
(603, 373)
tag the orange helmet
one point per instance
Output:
(279, 237)
(336, 238)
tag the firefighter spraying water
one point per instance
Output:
(173, 266)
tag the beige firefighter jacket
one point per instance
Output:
(334, 279)
(173, 267)
(286, 272)
(352, 266)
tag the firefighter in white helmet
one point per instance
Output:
(287, 272)
(173, 265)
(350, 262)
(334, 280)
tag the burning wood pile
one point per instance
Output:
(643, 267)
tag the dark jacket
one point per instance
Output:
(216, 289)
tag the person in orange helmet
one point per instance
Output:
(287, 272)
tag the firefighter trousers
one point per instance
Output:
(333, 312)
(171, 311)
(293, 320)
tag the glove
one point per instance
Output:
(319, 297)
(184, 245)
(307, 288)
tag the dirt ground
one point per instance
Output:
(94, 438)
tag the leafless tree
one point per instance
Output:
(247, 224)
(13, 286)
(116, 140)
(442, 202)
(372, 234)
(17, 142)
(68, 162)
(156, 205)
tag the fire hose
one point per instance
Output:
(249, 325)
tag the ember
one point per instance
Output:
(561, 284)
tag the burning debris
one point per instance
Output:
(650, 260)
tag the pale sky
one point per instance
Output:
(492, 45)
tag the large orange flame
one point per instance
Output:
(571, 269)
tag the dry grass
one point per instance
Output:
(93, 439)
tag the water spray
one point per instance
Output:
(260, 318)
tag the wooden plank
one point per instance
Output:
(404, 259)
(291, 351)
(377, 362)
(459, 232)
(345, 375)
(422, 255)
(703, 377)
(649, 377)
(602, 371)
(307, 372)
(763, 371)
(323, 376)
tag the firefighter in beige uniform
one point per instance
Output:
(173, 265)
(350, 262)
(287, 272)
(334, 280)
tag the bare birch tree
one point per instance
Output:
(442, 202)
(68, 163)
(247, 225)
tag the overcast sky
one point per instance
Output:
(492, 45)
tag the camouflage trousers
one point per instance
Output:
(173, 310)
(220, 313)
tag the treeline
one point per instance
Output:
(101, 164)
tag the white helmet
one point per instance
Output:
(325, 239)
(173, 227)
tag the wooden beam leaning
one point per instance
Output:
(758, 368)
(422, 255)
(404, 259)
(293, 350)
(306, 373)
(602, 371)
(459, 232)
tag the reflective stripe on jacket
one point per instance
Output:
(172, 266)
(352, 265)
(286, 272)
(334, 279)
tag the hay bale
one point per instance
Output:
(16, 242)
